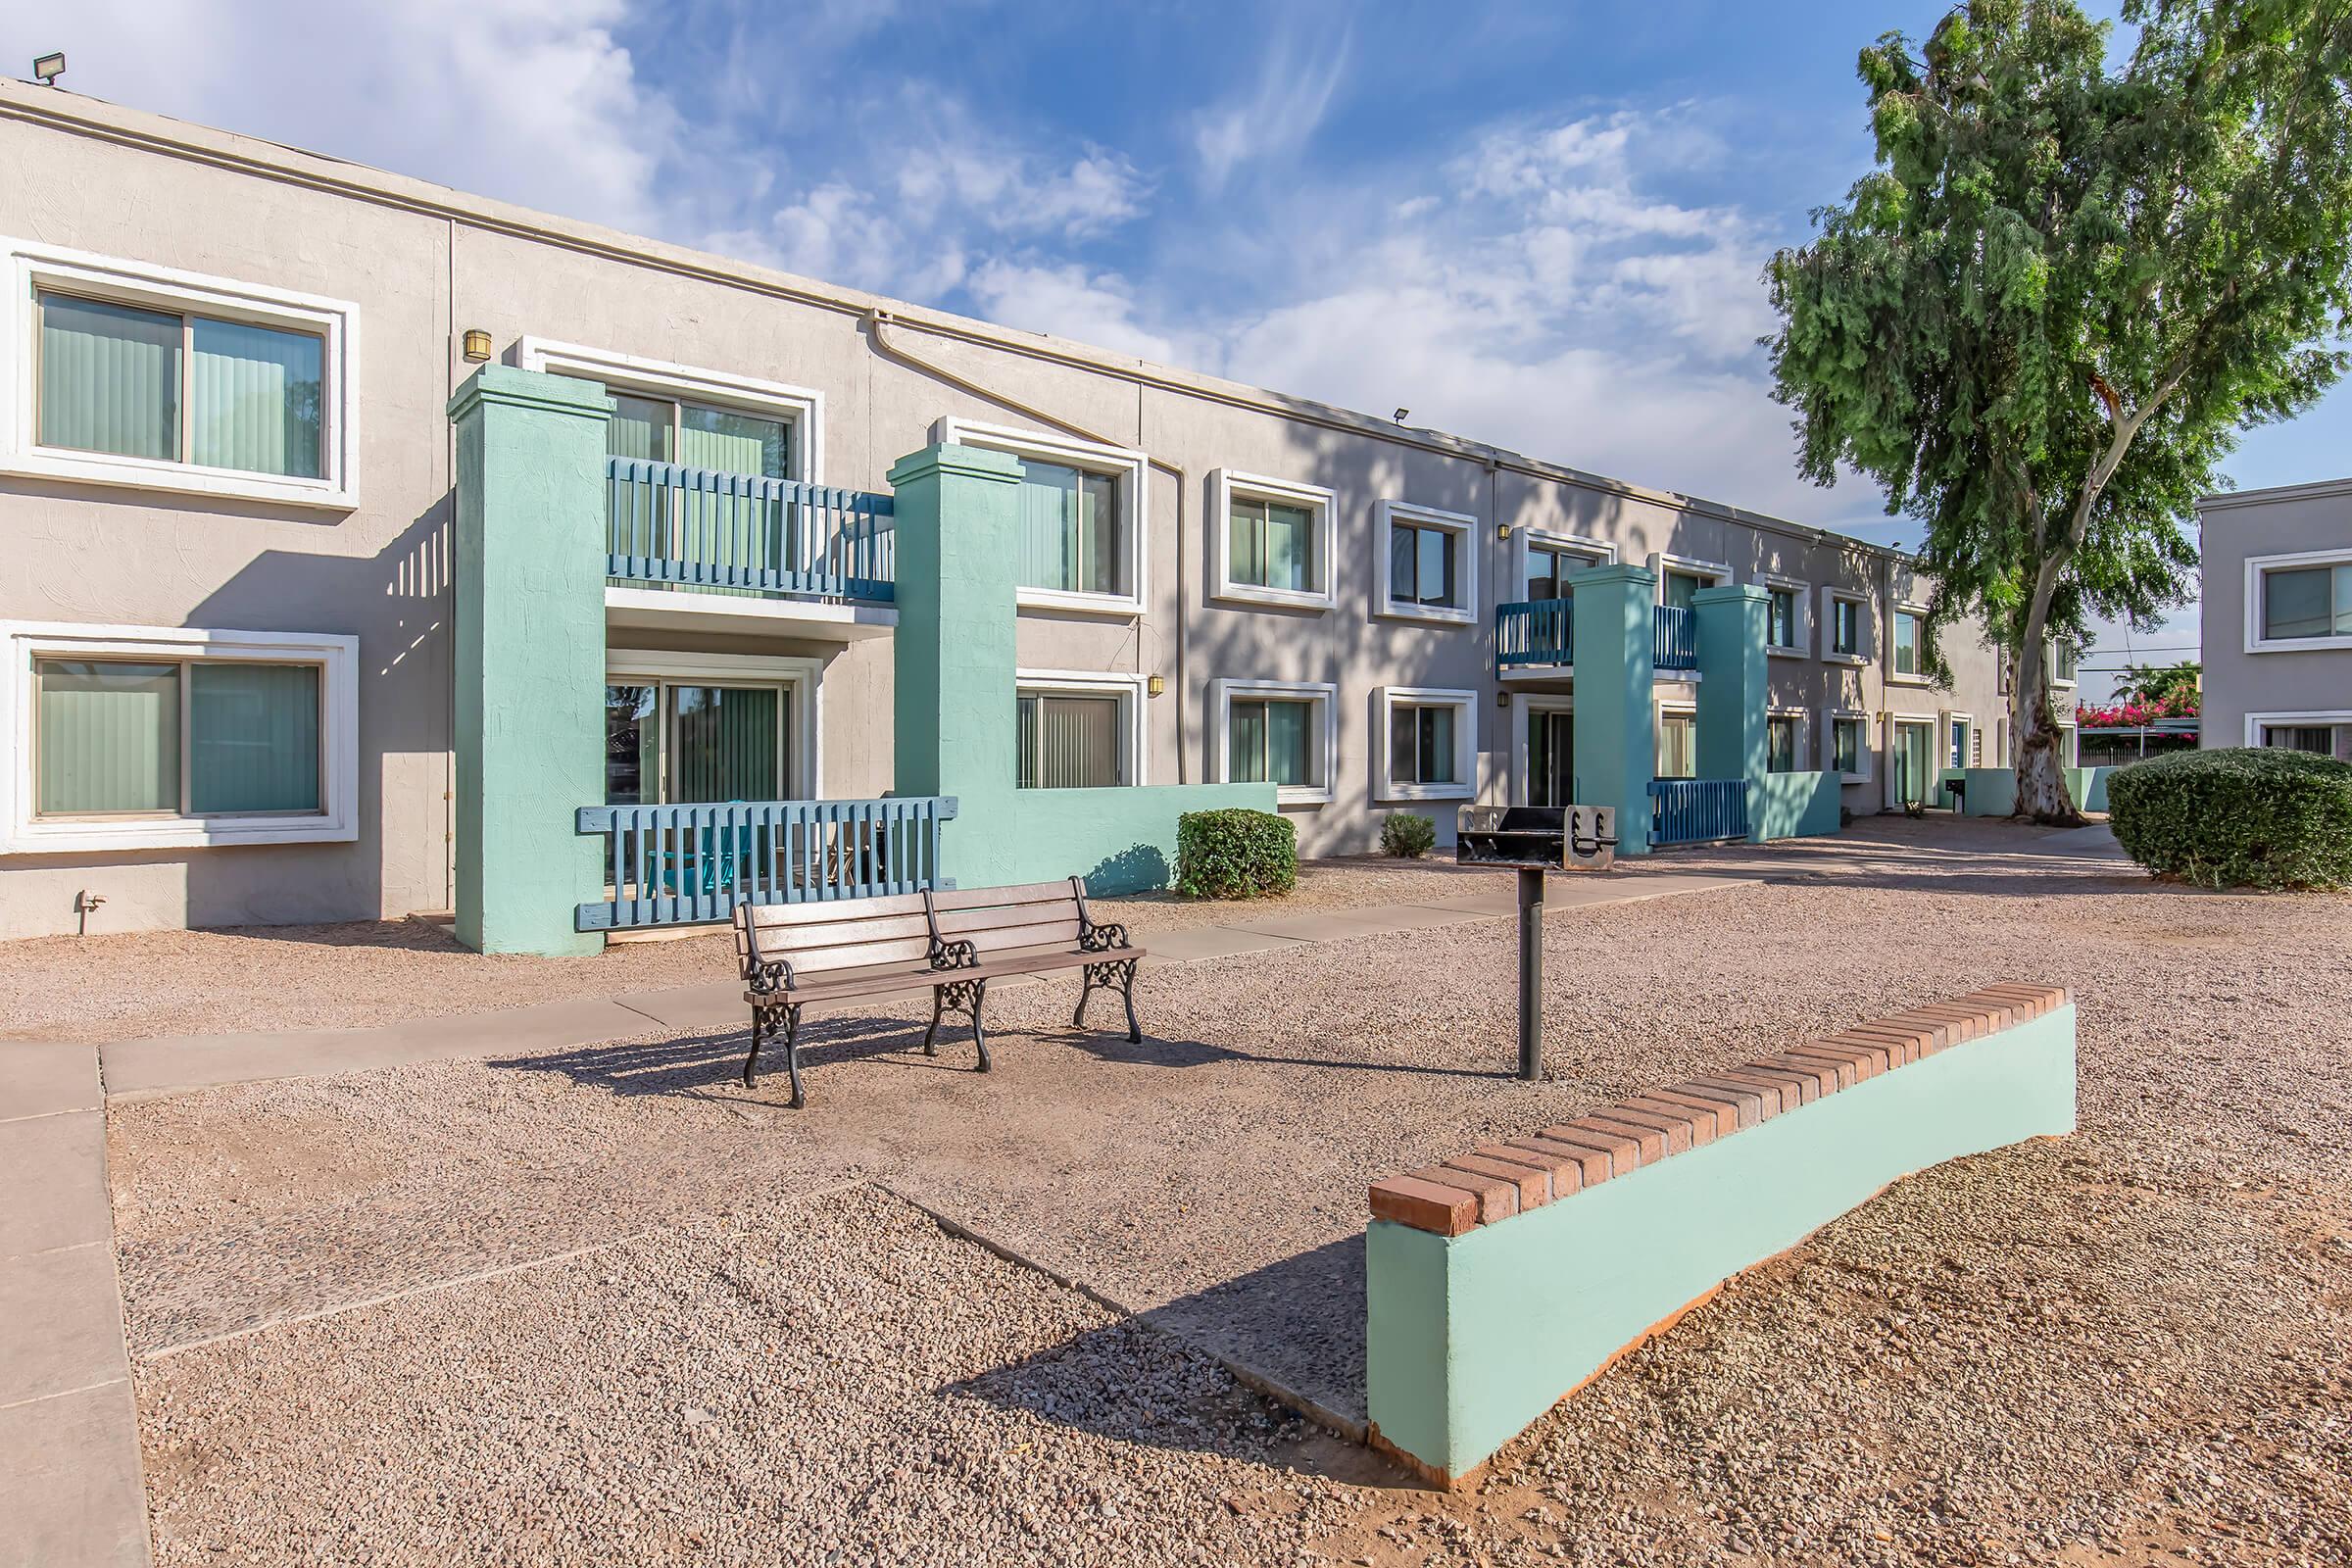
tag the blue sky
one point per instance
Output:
(1538, 225)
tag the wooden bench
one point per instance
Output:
(794, 954)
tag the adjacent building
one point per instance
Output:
(240, 684)
(2277, 617)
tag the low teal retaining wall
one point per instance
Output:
(1121, 840)
(1794, 806)
(1992, 791)
(1498, 1282)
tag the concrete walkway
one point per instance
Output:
(170, 1064)
(71, 1485)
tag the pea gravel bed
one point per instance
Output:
(2126, 1346)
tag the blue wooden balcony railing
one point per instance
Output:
(1677, 644)
(686, 864)
(1533, 631)
(697, 527)
(1698, 811)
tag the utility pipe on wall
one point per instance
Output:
(873, 323)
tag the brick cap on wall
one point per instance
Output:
(1495, 1181)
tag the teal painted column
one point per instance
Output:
(1614, 632)
(530, 677)
(1732, 692)
(957, 733)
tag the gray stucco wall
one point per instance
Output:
(424, 264)
(2248, 525)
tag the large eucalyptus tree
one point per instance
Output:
(2043, 316)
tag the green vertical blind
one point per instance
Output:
(1272, 544)
(727, 743)
(1271, 742)
(1780, 742)
(1678, 749)
(1068, 743)
(108, 739)
(1069, 529)
(253, 738)
(1845, 745)
(143, 383)
(1906, 643)
(202, 737)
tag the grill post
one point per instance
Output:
(1530, 972)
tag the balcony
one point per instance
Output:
(1538, 634)
(740, 535)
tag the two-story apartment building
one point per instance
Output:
(2277, 617)
(229, 497)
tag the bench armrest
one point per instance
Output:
(1093, 938)
(956, 954)
(768, 975)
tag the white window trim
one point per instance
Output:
(1802, 648)
(1127, 688)
(1943, 734)
(1804, 722)
(2058, 682)
(1465, 741)
(1895, 677)
(805, 676)
(1717, 573)
(1529, 539)
(1860, 600)
(22, 833)
(1830, 718)
(1323, 694)
(1132, 468)
(1462, 525)
(1227, 486)
(336, 322)
(1678, 708)
(1929, 792)
(2311, 717)
(803, 408)
(1523, 775)
(2256, 566)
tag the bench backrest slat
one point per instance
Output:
(1064, 891)
(998, 938)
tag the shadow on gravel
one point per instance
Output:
(1298, 1325)
(710, 1065)
(1116, 1049)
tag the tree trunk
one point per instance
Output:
(2041, 791)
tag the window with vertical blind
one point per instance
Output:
(1428, 743)
(1678, 744)
(1782, 735)
(1841, 615)
(1910, 642)
(1278, 733)
(696, 741)
(1079, 516)
(149, 377)
(1275, 541)
(1428, 564)
(128, 737)
(2297, 601)
(1784, 628)
(1847, 740)
(1071, 740)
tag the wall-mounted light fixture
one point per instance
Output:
(48, 69)
(478, 345)
(1502, 531)
(1502, 698)
(1155, 685)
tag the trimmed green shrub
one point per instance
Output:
(2242, 817)
(1235, 853)
(1410, 834)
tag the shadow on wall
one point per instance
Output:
(397, 601)
(1141, 868)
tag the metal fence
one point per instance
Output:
(689, 864)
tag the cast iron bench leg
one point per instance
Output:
(931, 1035)
(1134, 1031)
(792, 1053)
(758, 1026)
(1086, 990)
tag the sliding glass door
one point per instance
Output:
(1551, 757)
(681, 743)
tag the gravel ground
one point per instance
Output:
(127, 987)
(2127, 1346)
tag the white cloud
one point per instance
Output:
(1273, 114)
(529, 100)
(1067, 301)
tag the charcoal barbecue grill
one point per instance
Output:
(1533, 840)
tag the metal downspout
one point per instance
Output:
(874, 320)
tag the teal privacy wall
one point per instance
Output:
(1472, 1336)
(1613, 636)
(531, 657)
(955, 724)
(1992, 791)
(1789, 806)
(1731, 690)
